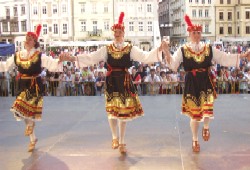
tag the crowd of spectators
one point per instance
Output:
(152, 79)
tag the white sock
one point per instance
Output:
(206, 122)
(31, 123)
(113, 127)
(122, 130)
(33, 136)
(194, 128)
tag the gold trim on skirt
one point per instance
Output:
(132, 108)
(27, 108)
(191, 108)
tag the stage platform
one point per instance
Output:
(75, 135)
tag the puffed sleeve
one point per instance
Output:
(152, 56)
(175, 60)
(51, 64)
(224, 59)
(7, 65)
(84, 60)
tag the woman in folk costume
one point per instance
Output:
(29, 101)
(122, 102)
(199, 92)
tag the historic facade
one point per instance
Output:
(14, 21)
(233, 21)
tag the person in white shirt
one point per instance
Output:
(101, 68)
(199, 92)
(153, 81)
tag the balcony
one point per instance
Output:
(9, 18)
(95, 33)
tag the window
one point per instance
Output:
(83, 26)
(220, 15)
(206, 13)
(131, 26)
(197, 1)
(209, 1)
(7, 12)
(206, 28)
(228, 1)
(54, 9)
(23, 10)
(238, 30)
(55, 28)
(44, 10)
(190, 1)
(221, 30)
(221, 1)
(140, 26)
(64, 8)
(15, 11)
(247, 29)
(45, 29)
(106, 8)
(200, 13)
(203, 1)
(194, 13)
(229, 30)
(5, 27)
(83, 7)
(229, 16)
(23, 26)
(247, 14)
(149, 8)
(14, 27)
(95, 27)
(150, 27)
(65, 29)
(35, 10)
(106, 25)
(238, 15)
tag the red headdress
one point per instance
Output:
(119, 25)
(191, 27)
(35, 34)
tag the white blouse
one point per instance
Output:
(47, 61)
(136, 54)
(220, 57)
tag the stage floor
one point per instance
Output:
(75, 135)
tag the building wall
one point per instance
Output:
(138, 16)
(86, 13)
(164, 18)
(242, 12)
(240, 21)
(223, 20)
(196, 10)
(58, 14)
(10, 24)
